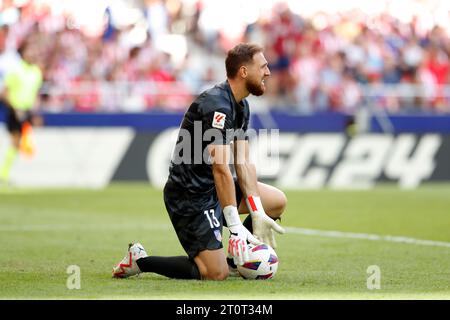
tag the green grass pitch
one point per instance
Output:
(42, 232)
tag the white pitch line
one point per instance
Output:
(162, 226)
(366, 236)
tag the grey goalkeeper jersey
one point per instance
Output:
(214, 117)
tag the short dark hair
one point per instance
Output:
(240, 55)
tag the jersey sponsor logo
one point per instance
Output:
(219, 120)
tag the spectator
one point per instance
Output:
(312, 58)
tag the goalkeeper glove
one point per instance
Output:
(263, 225)
(239, 235)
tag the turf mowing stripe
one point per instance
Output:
(74, 227)
(366, 236)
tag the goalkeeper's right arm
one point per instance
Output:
(239, 235)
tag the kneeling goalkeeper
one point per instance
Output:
(200, 193)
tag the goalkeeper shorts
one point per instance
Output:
(197, 219)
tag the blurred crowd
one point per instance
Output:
(334, 62)
(164, 53)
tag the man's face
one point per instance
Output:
(257, 72)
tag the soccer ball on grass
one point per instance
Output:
(263, 263)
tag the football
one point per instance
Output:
(263, 263)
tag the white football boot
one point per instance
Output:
(128, 266)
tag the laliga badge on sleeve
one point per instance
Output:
(219, 120)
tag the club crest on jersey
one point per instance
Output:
(219, 120)
(218, 235)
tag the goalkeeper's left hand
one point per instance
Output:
(263, 225)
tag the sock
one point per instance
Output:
(180, 267)
(231, 263)
(5, 169)
(248, 223)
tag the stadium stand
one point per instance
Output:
(136, 56)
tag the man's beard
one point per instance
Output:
(255, 88)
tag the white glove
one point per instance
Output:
(263, 225)
(239, 235)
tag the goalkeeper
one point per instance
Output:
(200, 194)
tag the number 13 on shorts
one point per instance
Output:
(213, 222)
